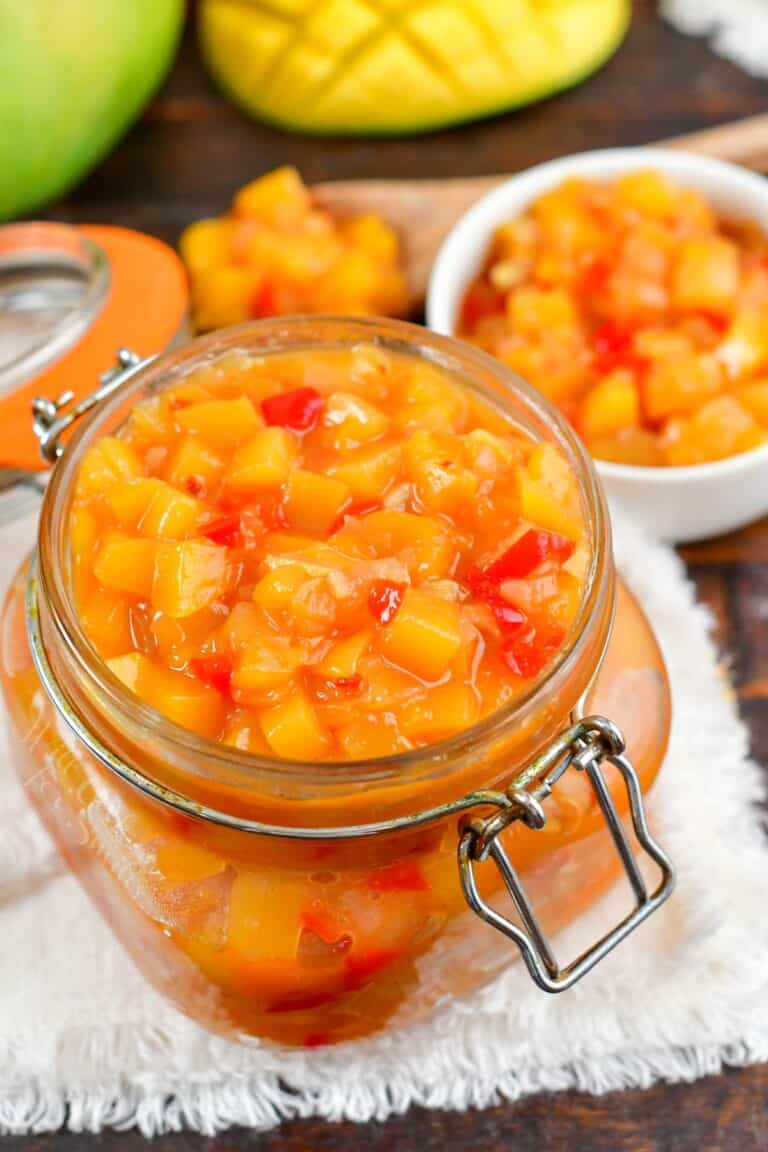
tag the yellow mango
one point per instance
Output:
(425, 634)
(279, 199)
(612, 404)
(368, 472)
(425, 544)
(754, 397)
(183, 699)
(307, 70)
(648, 192)
(744, 348)
(222, 424)
(370, 736)
(705, 273)
(549, 496)
(126, 563)
(293, 730)
(194, 465)
(342, 661)
(106, 619)
(433, 464)
(264, 664)
(537, 311)
(628, 446)
(188, 576)
(222, 294)
(206, 243)
(679, 385)
(263, 462)
(446, 709)
(313, 502)
(353, 421)
(107, 462)
(154, 508)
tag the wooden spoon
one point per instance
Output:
(424, 211)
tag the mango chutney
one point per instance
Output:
(299, 589)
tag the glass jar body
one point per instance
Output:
(306, 942)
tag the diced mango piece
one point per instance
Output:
(425, 634)
(636, 446)
(425, 544)
(263, 462)
(106, 619)
(107, 462)
(126, 563)
(446, 709)
(717, 430)
(313, 502)
(431, 402)
(222, 294)
(434, 465)
(277, 590)
(744, 349)
(368, 472)
(612, 404)
(195, 466)
(206, 243)
(705, 273)
(188, 576)
(678, 386)
(183, 699)
(370, 736)
(293, 730)
(342, 661)
(222, 424)
(537, 311)
(279, 198)
(129, 668)
(154, 508)
(353, 421)
(549, 496)
(754, 397)
(266, 663)
(648, 192)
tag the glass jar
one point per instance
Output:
(279, 899)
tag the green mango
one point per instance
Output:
(74, 74)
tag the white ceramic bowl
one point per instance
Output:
(673, 503)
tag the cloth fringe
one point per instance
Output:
(737, 29)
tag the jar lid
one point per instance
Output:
(69, 298)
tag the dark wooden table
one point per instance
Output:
(184, 159)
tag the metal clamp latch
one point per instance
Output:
(52, 417)
(585, 747)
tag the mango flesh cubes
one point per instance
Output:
(639, 312)
(276, 253)
(326, 557)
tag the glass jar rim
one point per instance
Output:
(466, 365)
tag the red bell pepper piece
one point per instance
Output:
(359, 969)
(315, 917)
(299, 409)
(613, 348)
(264, 301)
(384, 600)
(526, 653)
(214, 670)
(225, 530)
(481, 300)
(404, 876)
(521, 558)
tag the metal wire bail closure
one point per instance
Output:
(586, 747)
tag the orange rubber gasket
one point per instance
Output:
(146, 307)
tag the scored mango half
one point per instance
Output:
(399, 66)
